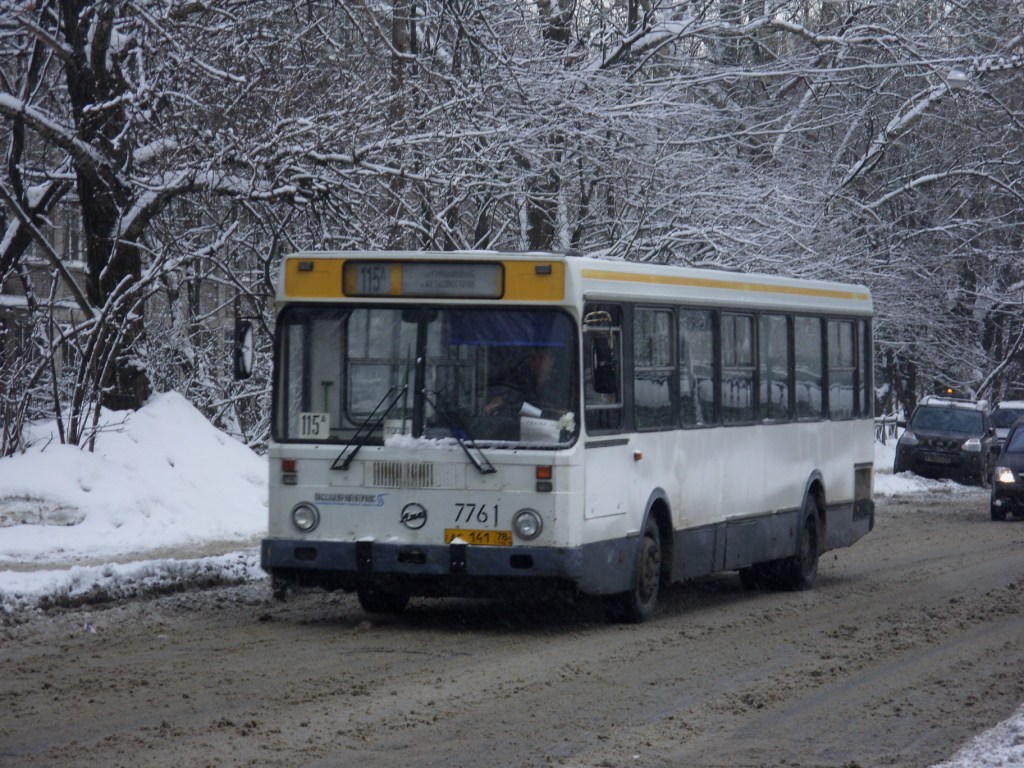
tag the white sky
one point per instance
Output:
(163, 479)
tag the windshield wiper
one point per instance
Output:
(369, 426)
(461, 433)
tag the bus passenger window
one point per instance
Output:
(697, 367)
(810, 367)
(841, 368)
(653, 368)
(773, 346)
(737, 368)
(864, 361)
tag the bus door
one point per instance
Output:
(607, 450)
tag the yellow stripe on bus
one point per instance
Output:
(725, 285)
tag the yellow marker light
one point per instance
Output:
(544, 475)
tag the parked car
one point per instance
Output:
(1005, 416)
(1008, 476)
(949, 438)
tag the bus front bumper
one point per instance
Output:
(453, 569)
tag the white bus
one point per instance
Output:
(474, 423)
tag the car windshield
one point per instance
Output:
(1005, 417)
(948, 420)
(494, 375)
(1015, 442)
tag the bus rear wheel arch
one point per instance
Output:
(799, 571)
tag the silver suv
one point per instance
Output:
(949, 438)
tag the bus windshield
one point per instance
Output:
(493, 375)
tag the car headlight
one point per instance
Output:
(527, 524)
(908, 438)
(305, 516)
(1003, 475)
(973, 445)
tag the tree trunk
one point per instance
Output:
(113, 265)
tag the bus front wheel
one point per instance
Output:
(638, 604)
(373, 599)
(281, 589)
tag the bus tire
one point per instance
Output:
(799, 571)
(639, 603)
(751, 577)
(281, 589)
(373, 599)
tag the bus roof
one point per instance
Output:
(551, 278)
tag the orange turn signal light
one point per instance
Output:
(544, 473)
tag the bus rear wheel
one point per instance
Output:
(799, 571)
(374, 599)
(753, 577)
(638, 604)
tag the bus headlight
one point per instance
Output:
(305, 516)
(527, 524)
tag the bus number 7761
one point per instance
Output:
(481, 514)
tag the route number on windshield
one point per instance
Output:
(314, 426)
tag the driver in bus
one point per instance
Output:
(528, 383)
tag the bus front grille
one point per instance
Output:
(403, 474)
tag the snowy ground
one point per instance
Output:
(74, 523)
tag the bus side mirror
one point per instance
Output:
(604, 365)
(243, 352)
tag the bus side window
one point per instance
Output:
(602, 375)
(775, 385)
(737, 385)
(697, 372)
(864, 361)
(810, 367)
(654, 368)
(842, 367)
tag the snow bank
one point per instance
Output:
(161, 477)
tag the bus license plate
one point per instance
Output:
(480, 538)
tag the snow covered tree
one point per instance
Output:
(120, 110)
(197, 141)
